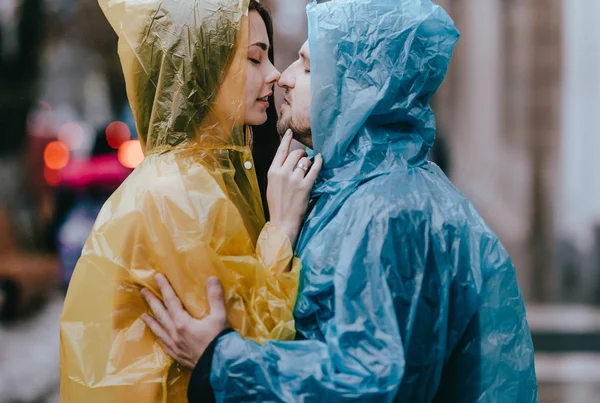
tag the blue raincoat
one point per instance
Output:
(406, 295)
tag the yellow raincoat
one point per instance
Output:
(191, 210)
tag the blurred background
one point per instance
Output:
(518, 119)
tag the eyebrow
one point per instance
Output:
(261, 45)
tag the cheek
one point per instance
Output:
(253, 83)
(304, 94)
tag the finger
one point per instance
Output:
(292, 160)
(311, 176)
(176, 357)
(216, 300)
(299, 172)
(158, 330)
(159, 311)
(177, 313)
(283, 150)
(172, 301)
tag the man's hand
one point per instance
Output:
(185, 339)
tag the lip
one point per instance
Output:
(264, 96)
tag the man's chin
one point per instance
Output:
(301, 135)
(305, 140)
(283, 125)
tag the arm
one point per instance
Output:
(451, 335)
(274, 249)
(361, 357)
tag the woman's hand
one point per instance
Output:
(290, 181)
(185, 339)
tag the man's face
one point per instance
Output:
(295, 111)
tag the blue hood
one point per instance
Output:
(376, 73)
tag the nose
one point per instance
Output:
(287, 79)
(273, 76)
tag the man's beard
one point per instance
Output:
(302, 132)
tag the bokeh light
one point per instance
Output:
(56, 155)
(72, 135)
(131, 154)
(117, 133)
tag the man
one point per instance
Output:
(406, 295)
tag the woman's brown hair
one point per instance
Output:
(266, 139)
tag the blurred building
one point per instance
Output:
(500, 106)
(518, 106)
(519, 111)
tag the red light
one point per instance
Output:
(131, 154)
(56, 155)
(117, 133)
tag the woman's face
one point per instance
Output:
(261, 75)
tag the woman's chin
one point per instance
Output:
(256, 119)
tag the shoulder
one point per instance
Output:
(421, 201)
(163, 188)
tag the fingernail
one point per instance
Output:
(288, 133)
(159, 277)
(144, 293)
(213, 281)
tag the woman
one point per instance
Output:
(192, 209)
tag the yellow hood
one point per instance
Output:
(184, 64)
(191, 210)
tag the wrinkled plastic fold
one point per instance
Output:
(191, 210)
(406, 294)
